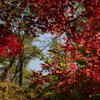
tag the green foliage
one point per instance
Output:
(10, 91)
(41, 93)
(30, 52)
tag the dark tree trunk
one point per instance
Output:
(20, 72)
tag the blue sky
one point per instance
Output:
(46, 38)
(35, 64)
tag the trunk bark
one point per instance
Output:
(20, 72)
(5, 73)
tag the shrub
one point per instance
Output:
(10, 91)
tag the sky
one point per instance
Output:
(35, 64)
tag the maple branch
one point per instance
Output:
(65, 23)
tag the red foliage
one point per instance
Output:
(59, 16)
(82, 28)
(9, 44)
(38, 79)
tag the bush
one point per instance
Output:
(10, 91)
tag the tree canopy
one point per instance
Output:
(75, 66)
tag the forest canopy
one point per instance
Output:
(73, 58)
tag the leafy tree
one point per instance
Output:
(29, 52)
(81, 44)
(17, 19)
(79, 20)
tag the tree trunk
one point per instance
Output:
(4, 75)
(20, 72)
